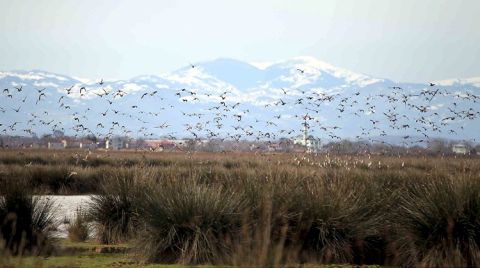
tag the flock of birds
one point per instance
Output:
(401, 110)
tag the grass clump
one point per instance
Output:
(336, 221)
(114, 211)
(26, 222)
(78, 230)
(438, 223)
(188, 222)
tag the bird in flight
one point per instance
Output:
(40, 97)
(69, 90)
(164, 125)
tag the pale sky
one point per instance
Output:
(404, 40)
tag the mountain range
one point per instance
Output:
(277, 98)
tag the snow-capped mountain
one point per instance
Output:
(229, 97)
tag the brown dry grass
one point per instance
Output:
(275, 209)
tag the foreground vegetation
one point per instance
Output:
(80, 255)
(94, 260)
(268, 210)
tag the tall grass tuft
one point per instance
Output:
(27, 223)
(188, 222)
(336, 221)
(114, 211)
(78, 230)
(438, 223)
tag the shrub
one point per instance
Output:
(114, 210)
(187, 222)
(78, 230)
(438, 223)
(315, 219)
(228, 164)
(26, 222)
(337, 220)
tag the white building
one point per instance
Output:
(311, 143)
(460, 149)
(88, 145)
(116, 143)
(57, 145)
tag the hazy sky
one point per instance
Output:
(405, 40)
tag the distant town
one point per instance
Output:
(303, 143)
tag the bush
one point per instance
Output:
(231, 164)
(78, 230)
(114, 211)
(187, 222)
(26, 222)
(335, 221)
(438, 223)
(295, 219)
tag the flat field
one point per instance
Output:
(256, 209)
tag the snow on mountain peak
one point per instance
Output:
(473, 81)
(22, 75)
(196, 77)
(311, 66)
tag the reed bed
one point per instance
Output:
(272, 209)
